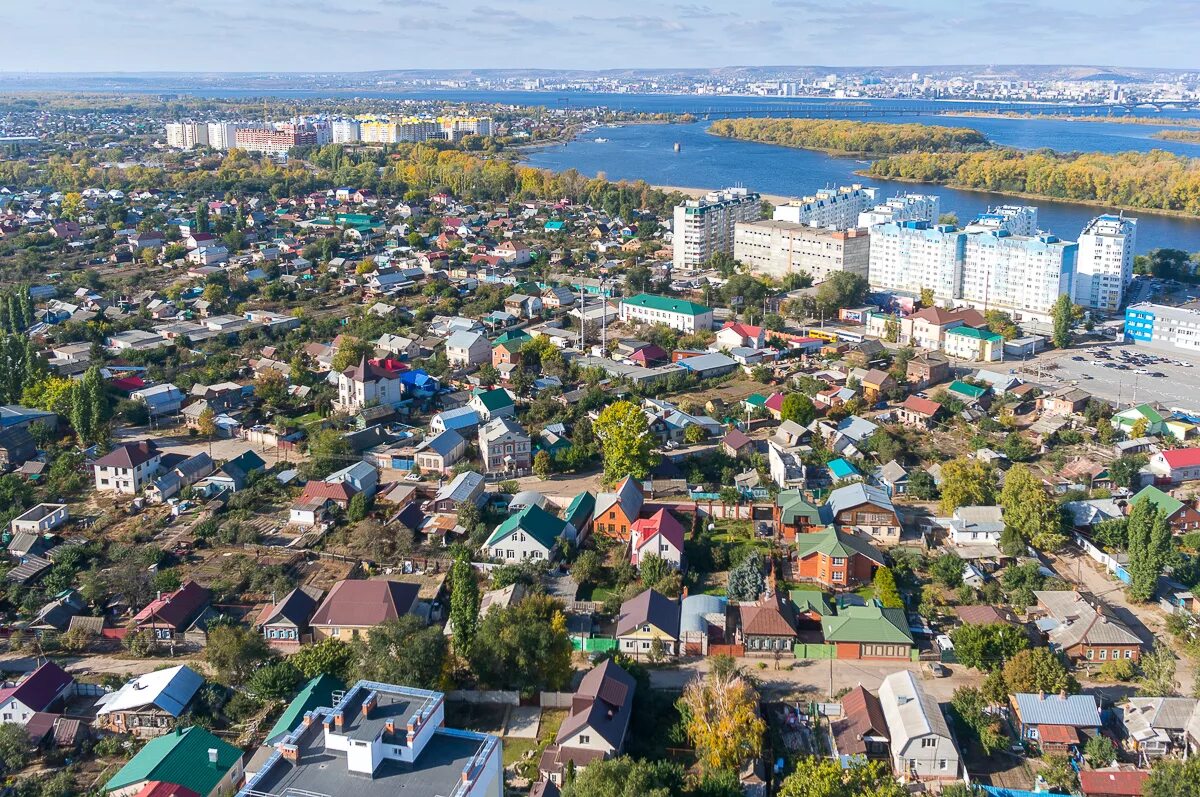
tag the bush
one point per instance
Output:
(1117, 670)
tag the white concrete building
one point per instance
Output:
(222, 135)
(1014, 219)
(704, 227)
(1022, 275)
(1161, 327)
(187, 135)
(127, 468)
(909, 256)
(687, 317)
(1105, 262)
(777, 248)
(367, 385)
(832, 207)
(907, 207)
(346, 131)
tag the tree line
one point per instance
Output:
(1154, 180)
(847, 136)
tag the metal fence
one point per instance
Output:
(593, 644)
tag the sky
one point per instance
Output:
(365, 35)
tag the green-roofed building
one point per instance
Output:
(516, 337)
(678, 314)
(835, 560)
(967, 391)
(1127, 419)
(794, 515)
(1182, 517)
(181, 757)
(811, 603)
(532, 534)
(580, 513)
(316, 693)
(494, 403)
(756, 401)
(868, 632)
(969, 343)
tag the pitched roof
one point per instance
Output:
(833, 543)
(176, 608)
(365, 603)
(296, 608)
(736, 439)
(793, 504)
(910, 711)
(1078, 711)
(967, 389)
(662, 523)
(871, 623)
(628, 495)
(862, 716)
(770, 615)
(853, 495)
(1110, 781)
(535, 521)
(582, 507)
(129, 455)
(314, 694)
(1159, 499)
(922, 406)
(666, 304)
(603, 702)
(156, 788)
(170, 690)
(650, 607)
(327, 491)
(810, 600)
(41, 688)
(496, 399)
(369, 371)
(179, 757)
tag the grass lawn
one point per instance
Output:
(595, 592)
(306, 419)
(866, 592)
(527, 752)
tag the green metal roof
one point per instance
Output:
(811, 600)
(666, 304)
(958, 386)
(581, 506)
(181, 758)
(495, 399)
(1143, 410)
(756, 400)
(534, 521)
(1166, 503)
(870, 623)
(834, 543)
(972, 332)
(316, 693)
(512, 336)
(792, 504)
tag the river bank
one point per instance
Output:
(696, 193)
(1128, 119)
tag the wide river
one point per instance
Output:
(646, 152)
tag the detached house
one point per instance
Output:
(168, 616)
(767, 626)
(465, 349)
(918, 412)
(127, 468)
(43, 690)
(149, 705)
(616, 511)
(596, 725)
(1083, 632)
(922, 746)
(504, 446)
(1181, 517)
(533, 533)
(648, 617)
(367, 385)
(836, 560)
(1056, 723)
(285, 625)
(353, 608)
(862, 729)
(860, 509)
(493, 404)
(661, 535)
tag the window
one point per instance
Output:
(1103, 654)
(838, 561)
(929, 742)
(1129, 654)
(1089, 654)
(941, 763)
(584, 738)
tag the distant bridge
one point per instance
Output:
(852, 109)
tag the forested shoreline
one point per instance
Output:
(866, 138)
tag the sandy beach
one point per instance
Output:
(774, 199)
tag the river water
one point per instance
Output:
(646, 152)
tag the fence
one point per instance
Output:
(555, 699)
(814, 651)
(593, 644)
(491, 697)
(727, 650)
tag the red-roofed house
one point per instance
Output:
(733, 335)
(917, 411)
(309, 509)
(650, 355)
(157, 788)
(1112, 782)
(1176, 465)
(774, 405)
(43, 689)
(660, 534)
(171, 614)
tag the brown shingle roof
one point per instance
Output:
(862, 715)
(365, 603)
(129, 455)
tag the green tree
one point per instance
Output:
(1029, 509)
(275, 681)
(824, 777)
(1100, 751)
(464, 602)
(328, 450)
(206, 422)
(1124, 470)
(1171, 777)
(987, 647)
(799, 408)
(1038, 670)
(357, 508)
(350, 352)
(1158, 671)
(14, 746)
(969, 707)
(966, 482)
(327, 657)
(234, 652)
(1151, 548)
(1063, 318)
(402, 651)
(523, 647)
(625, 440)
(626, 777)
(694, 434)
(886, 591)
(542, 465)
(746, 581)
(1058, 773)
(947, 570)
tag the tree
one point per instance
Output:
(464, 602)
(206, 422)
(274, 681)
(1139, 428)
(1100, 751)
(987, 647)
(886, 591)
(746, 580)
(350, 352)
(356, 510)
(1058, 773)
(625, 440)
(523, 647)
(798, 408)
(587, 567)
(328, 450)
(1063, 318)
(72, 205)
(1171, 777)
(969, 707)
(721, 720)
(1112, 534)
(1151, 548)
(1158, 672)
(966, 482)
(626, 777)
(1029, 509)
(1038, 670)
(271, 388)
(327, 657)
(402, 650)
(1124, 470)
(927, 297)
(825, 777)
(947, 570)
(14, 746)
(234, 652)
(694, 434)
(542, 464)
(921, 486)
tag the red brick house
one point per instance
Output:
(835, 560)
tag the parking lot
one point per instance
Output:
(1125, 374)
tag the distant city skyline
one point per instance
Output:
(334, 35)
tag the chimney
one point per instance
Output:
(290, 752)
(1062, 695)
(308, 718)
(212, 756)
(369, 704)
(390, 726)
(339, 719)
(1042, 695)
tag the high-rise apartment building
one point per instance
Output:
(908, 207)
(1013, 219)
(1020, 274)
(275, 140)
(346, 131)
(1105, 264)
(910, 256)
(837, 207)
(187, 135)
(778, 248)
(704, 227)
(222, 135)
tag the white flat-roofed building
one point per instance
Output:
(907, 207)
(222, 135)
(1161, 327)
(1019, 274)
(831, 207)
(777, 248)
(909, 256)
(1014, 219)
(704, 227)
(187, 135)
(1105, 262)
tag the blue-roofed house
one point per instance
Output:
(439, 453)
(463, 420)
(418, 384)
(1056, 723)
(466, 486)
(362, 476)
(235, 474)
(15, 415)
(149, 704)
(864, 510)
(701, 618)
(841, 470)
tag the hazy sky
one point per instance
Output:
(338, 35)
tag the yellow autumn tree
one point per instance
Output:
(722, 720)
